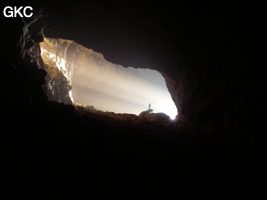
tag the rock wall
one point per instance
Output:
(59, 58)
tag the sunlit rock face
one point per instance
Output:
(80, 75)
(59, 57)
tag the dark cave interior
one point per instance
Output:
(212, 58)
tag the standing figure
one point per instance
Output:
(149, 106)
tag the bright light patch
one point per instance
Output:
(107, 86)
(59, 62)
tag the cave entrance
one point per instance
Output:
(82, 76)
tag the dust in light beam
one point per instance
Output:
(107, 86)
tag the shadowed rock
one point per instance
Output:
(146, 112)
(153, 116)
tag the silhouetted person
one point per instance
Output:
(149, 106)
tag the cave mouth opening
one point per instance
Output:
(77, 75)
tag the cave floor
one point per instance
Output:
(58, 149)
